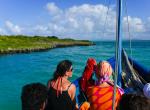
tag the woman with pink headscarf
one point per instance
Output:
(100, 95)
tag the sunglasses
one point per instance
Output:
(71, 69)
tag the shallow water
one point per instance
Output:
(19, 69)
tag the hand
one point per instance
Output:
(85, 106)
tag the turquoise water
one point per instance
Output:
(19, 69)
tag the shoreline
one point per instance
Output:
(29, 50)
(36, 44)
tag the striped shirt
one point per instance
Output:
(101, 98)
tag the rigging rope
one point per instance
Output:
(128, 28)
(106, 17)
(117, 55)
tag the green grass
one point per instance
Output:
(21, 42)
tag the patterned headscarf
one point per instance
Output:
(103, 72)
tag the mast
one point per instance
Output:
(118, 66)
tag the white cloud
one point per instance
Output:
(53, 9)
(147, 24)
(146, 34)
(2, 31)
(89, 25)
(138, 29)
(15, 29)
(40, 28)
(84, 21)
(136, 24)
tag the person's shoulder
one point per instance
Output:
(72, 86)
(72, 91)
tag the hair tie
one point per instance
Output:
(59, 89)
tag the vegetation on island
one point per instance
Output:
(25, 44)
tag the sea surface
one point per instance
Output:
(16, 70)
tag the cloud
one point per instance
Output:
(2, 31)
(146, 34)
(84, 21)
(136, 24)
(12, 28)
(147, 24)
(53, 9)
(92, 22)
(40, 28)
(138, 29)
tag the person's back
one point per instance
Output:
(100, 95)
(101, 98)
(134, 102)
(61, 102)
(61, 94)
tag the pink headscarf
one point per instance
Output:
(103, 72)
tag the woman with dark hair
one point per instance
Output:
(61, 94)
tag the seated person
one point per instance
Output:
(146, 90)
(86, 79)
(100, 95)
(34, 96)
(61, 93)
(133, 102)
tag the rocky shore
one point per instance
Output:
(50, 44)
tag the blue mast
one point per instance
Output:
(118, 65)
(119, 35)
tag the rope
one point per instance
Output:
(128, 28)
(117, 61)
(115, 76)
(106, 17)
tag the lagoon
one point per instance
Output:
(17, 70)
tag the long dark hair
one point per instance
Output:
(61, 69)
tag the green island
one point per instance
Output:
(25, 44)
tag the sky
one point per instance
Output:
(77, 19)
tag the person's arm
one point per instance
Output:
(72, 93)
